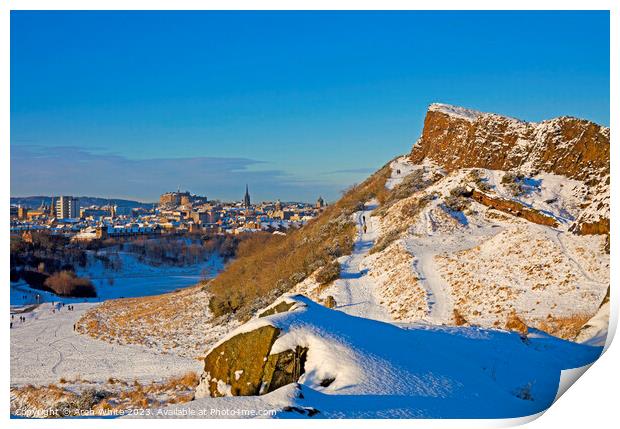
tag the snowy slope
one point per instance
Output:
(381, 370)
(486, 264)
(355, 292)
(400, 168)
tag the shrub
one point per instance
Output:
(66, 283)
(511, 177)
(89, 398)
(456, 204)
(412, 183)
(328, 273)
(458, 191)
(480, 182)
(414, 208)
(515, 323)
(515, 189)
(330, 302)
(458, 318)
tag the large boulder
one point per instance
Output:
(244, 365)
(235, 367)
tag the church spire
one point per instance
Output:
(246, 197)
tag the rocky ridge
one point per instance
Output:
(456, 138)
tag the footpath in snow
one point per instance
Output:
(355, 291)
(45, 348)
(424, 249)
(401, 167)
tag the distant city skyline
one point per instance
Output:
(296, 104)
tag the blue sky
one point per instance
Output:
(297, 104)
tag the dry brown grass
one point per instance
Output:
(399, 288)
(515, 323)
(564, 327)
(187, 381)
(459, 320)
(165, 321)
(103, 398)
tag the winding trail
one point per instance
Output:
(355, 291)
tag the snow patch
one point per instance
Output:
(455, 111)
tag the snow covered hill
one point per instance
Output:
(358, 367)
(474, 263)
(466, 248)
(478, 271)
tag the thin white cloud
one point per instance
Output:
(73, 170)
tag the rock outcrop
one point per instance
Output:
(244, 364)
(235, 367)
(514, 208)
(456, 138)
(461, 138)
(281, 307)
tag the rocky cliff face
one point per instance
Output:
(455, 138)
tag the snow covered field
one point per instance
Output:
(45, 348)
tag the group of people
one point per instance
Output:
(22, 319)
(58, 307)
(61, 306)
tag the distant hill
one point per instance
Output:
(35, 201)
